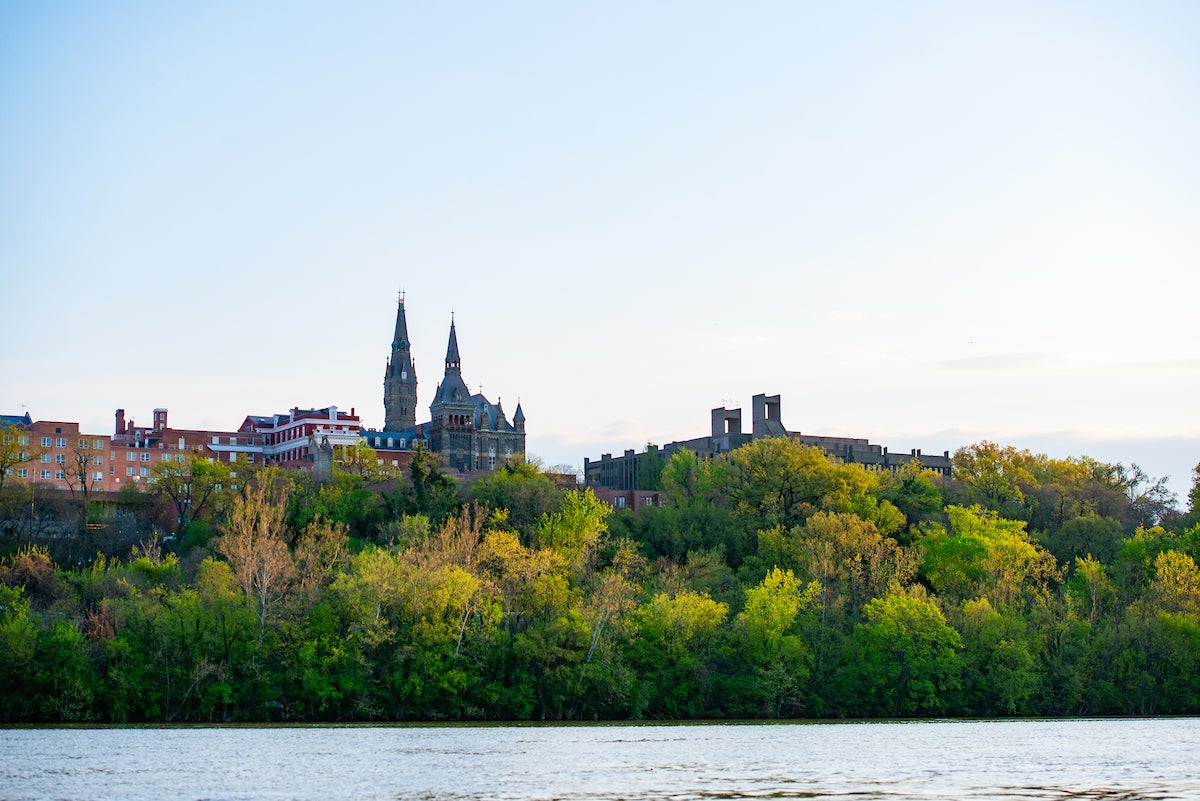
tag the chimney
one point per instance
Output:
(160, 419)
(120, 422)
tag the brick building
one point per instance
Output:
(290, 440)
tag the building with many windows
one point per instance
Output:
(626, 472)
(292, 439)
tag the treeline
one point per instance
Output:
(772, 583)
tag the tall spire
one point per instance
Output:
(400, 341)
(400, 378)
(453, 363)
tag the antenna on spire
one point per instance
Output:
(400, 295)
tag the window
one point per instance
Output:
(46, 475)
(400, 444)
(22, 440)
(60, 458)
(22, 472)
(112, 471)
(389, 442)
(130, 456)
(216, 440)
(46, 442)
(83, 444)
(166, 457)
(45, 458)
(98, 444)
(621, 502)
(129, 471)
(59, 475)
(377, 442)
(60, 442)
(98, 476)
(145, 457)
(97, 460)
(144, 472)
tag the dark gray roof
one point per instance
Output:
(452, 390)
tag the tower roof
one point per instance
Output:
(453, 363)
(400, 340)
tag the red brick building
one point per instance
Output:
(289, 439)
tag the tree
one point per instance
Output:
(986, 555)
(671, 650)
(994, 476)
(908, 657)
(81, 475)
(1194, 492)
(521, 488)
(360, 459)
(191, 487)
(780, 481)
(1150, 499)
(254, 544)
(15, 451)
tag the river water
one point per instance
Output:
(1060, 759)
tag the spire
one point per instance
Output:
(400, 378)
(400, 365)
(400, 341)
(453, 363)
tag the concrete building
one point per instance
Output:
(625, 472)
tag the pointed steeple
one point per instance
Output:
(453, 363)
(400, 378)
(400, 340)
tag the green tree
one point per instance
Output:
(780, 481)
(192, 488)
(523, 490)
(778, 656)
(909, 662)
(672, 650)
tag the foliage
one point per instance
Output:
(774, 582)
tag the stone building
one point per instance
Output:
(469, 431)
(627, 471)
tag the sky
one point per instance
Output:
(926, 224)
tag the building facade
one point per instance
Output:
(466, 429)
(292, 440)
(627, 471)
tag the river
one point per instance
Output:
(1034, 759)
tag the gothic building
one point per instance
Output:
(467, 430)
(400, 380)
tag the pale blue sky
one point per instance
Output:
(923, 223)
